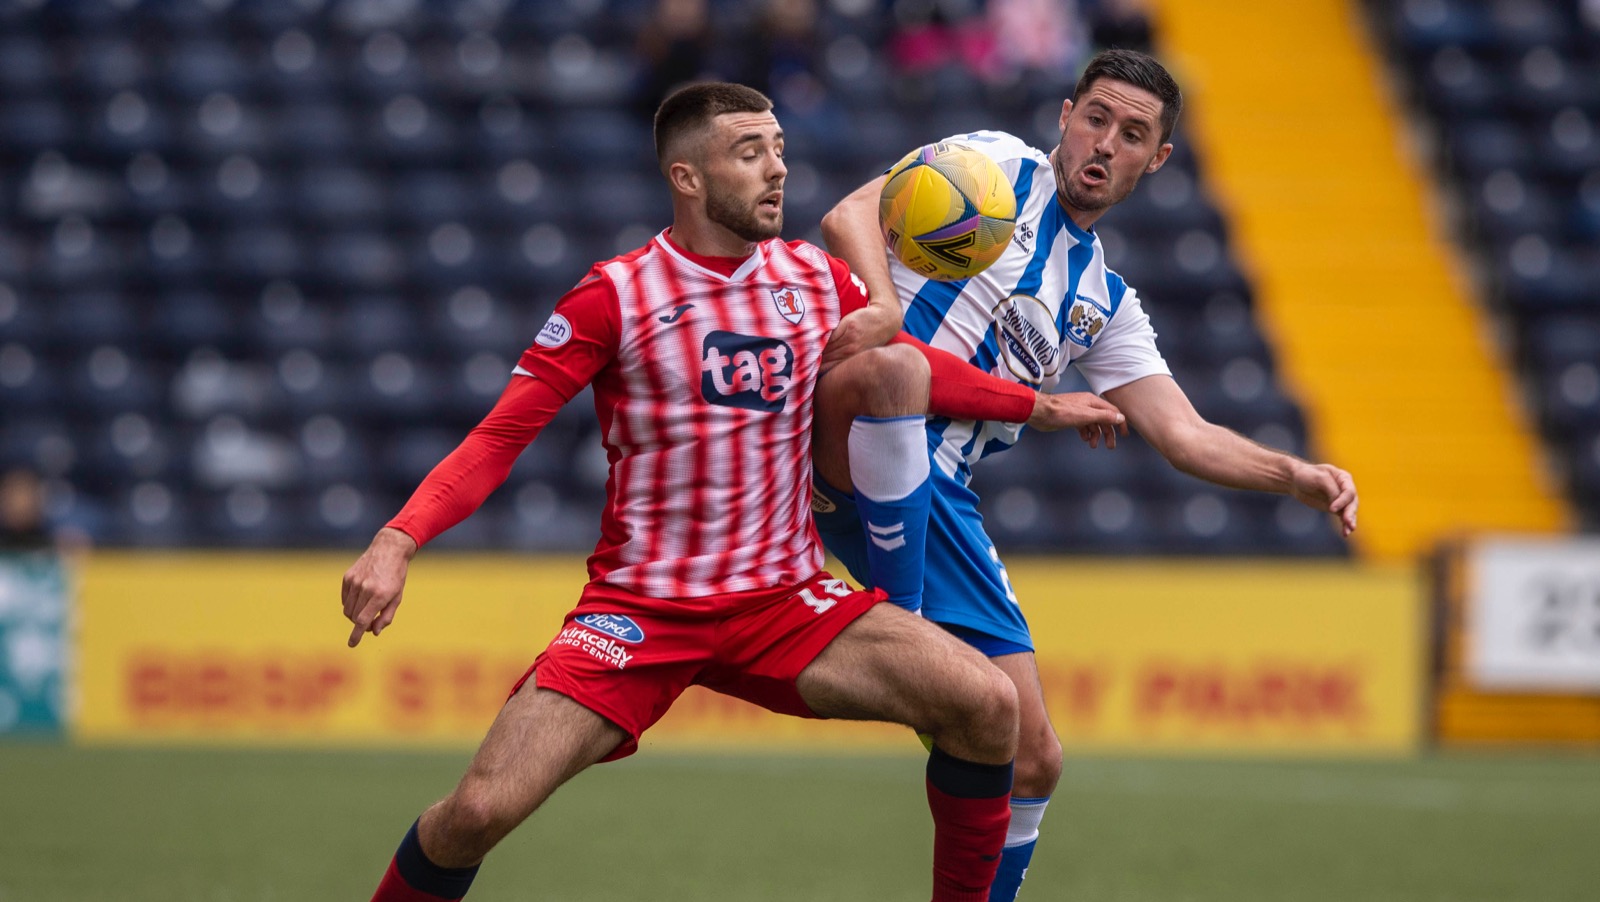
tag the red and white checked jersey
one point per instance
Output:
(703, 384)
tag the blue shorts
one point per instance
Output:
(965, 587)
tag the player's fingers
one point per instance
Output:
(347, 595)
(363, 621)
(1111, 438)
(385, 618)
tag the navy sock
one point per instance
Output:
(424, 876)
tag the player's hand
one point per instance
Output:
(1095, 418)
(1327, 488)
(870, 327)
(375, 582)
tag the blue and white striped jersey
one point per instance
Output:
(1049, 301)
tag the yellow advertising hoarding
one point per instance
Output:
(1137, 655)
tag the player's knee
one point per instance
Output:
(474, 819)
(889, 381)
(1038, 767)
(991, 710)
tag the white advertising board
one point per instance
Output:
(1533, 614)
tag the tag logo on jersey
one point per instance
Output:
(1084, 321)
(614, 625)
(556, 332)
(1026, 334)
(791, 306)
(745, 371)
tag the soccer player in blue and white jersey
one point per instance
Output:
(1049, 301)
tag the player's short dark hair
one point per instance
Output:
(691, 108)
(1142, 71)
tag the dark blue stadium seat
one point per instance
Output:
(198, 68)
(1422, 25)
(1455, 84)
(331, 196)
(91, 318)
(184, 319)
(1571, 396)
(315, 129)
(110, 63)
(29, 383)
(264, 252)
(33, 126)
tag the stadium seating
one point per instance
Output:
(262, 264)
(1512, 91)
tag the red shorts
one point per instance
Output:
(629, 658)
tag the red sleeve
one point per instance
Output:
(852, 291)
(579, 339)
(464, 479)
(961, 391)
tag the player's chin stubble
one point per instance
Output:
(740, 218)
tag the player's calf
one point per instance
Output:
(540, 740)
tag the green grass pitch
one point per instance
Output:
(126, 825)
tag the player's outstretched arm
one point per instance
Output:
(851, 233)
(456, 487)
(1161, 412)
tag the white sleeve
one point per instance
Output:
(1124, 351)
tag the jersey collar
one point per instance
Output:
(726, 269)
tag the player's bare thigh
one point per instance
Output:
(893, 666)
(1038, 748)
(540, 740)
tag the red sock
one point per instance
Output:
(971, 805)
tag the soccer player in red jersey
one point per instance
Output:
(704, 349)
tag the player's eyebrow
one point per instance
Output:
(1134, 118)
(756, 136)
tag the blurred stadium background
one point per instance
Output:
(264, 262)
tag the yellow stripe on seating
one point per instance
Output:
(1376, 330)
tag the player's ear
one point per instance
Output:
(1066, 109)
(685, 178)
(1159, 159)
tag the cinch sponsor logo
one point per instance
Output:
(615, 625)
(599, 647)
(1031, 349)
(555, 333)
(745, 371)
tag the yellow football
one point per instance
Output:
(947, 211)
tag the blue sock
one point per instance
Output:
(1021, 837)
(889, 466)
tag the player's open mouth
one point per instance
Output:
(1093, 174)
(773, 201)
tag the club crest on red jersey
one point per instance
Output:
(745, 371)
(791, 306)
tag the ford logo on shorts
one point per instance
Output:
(618, 627)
